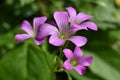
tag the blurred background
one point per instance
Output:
(19, 63)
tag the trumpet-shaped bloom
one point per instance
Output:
(76, 61)
(31, 32)
(81, 20)
(61, 33)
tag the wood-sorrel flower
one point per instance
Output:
(61, 33)
(37, 22)
(76, 61)
(81, 20)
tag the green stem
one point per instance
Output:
(66, 44)
(61, 49)
(69, 77)
(42, 7)
(61, 54)
(59, 70)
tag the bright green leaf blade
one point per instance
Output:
(103, 69)
(114, 34)
(49, 57)
(25, 63)
(75, 75)
(12, 65)
(7, 39)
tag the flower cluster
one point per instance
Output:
(65, 25)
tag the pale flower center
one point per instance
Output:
(77, 22)
(34, 34)
(63, 36)
(74, 62)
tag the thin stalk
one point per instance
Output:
(69, 77)
(61, 50)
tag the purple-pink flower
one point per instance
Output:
(81, 20)
(31, 32)
(61, 33)
(76, 61)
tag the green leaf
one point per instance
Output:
(114, 34)
(54, 60)
(50, 57)
(27, 62)
(79, 77)
(7, 39)
(103, 68)
(105, 25)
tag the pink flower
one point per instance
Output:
(60, 33)
(81, 20)
(30, 32)
(76, 61)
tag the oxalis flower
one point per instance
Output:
(81, 20)
(76, 61)
(61, 33)
(31, 32)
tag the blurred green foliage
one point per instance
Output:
(25, 61)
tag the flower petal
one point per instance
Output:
(90, 25)
(78, 40)
(67, 65)
(39, 42)
(68, 53)
(76, 27)
(72, 12)
(80, 69)
(61, 19)
(27, 27)
(78, 52)
(38, 21)
(54, 40)
(86, 60)
(45, 30)
(79, 26)
(82, 17)
(21, 37)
